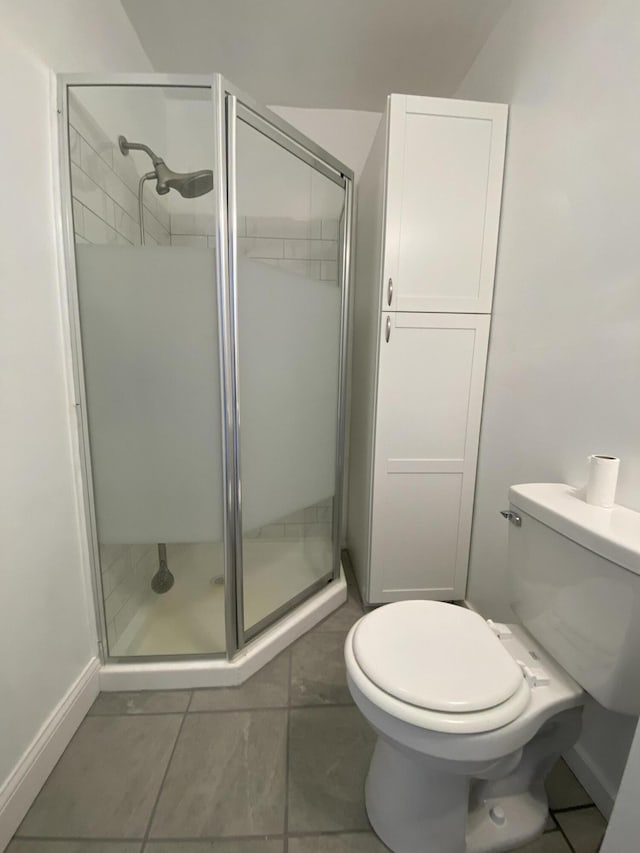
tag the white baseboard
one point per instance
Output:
(591, 778)
(40, 757)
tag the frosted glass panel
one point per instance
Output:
(289, 391)
(289, 307)
(149, 328)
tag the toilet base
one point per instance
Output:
(413, 806)
(417, 803)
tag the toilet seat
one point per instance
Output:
(435, 656)
(403, 670)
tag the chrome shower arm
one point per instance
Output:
(126, 146)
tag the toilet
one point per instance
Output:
(471, 715)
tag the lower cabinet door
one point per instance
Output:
(430, 386)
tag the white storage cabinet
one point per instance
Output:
(427, 230)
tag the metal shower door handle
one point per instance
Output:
(387, 331)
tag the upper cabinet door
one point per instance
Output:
(444, 183)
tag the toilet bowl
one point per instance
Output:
(471, 715)
(470, 718)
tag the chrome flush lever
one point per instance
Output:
(511, 516)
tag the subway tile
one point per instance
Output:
(196, 241)
(272, 531)
(125, 616)
(317, 531)
(153, 227)
(78, 217)
(323, 514)
(107, 583)
(329, 229)
(311, 250)
(159, 207)
(74, 145)
(125, 168)
(93, 197)
(188, 224)
(305, 269)
(110, 554)
(280, 226)
(142, 552)
(329, 270)
(116, 600)
(93, 165)
(121, 194)
(126, 226)
(293, 517)
(92, 133)
(97, 231)
(259, 247)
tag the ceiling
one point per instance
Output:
(346, 54)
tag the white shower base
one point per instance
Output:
(219, 672)
(189, 619)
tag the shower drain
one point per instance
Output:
(217, 581)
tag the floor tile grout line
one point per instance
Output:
(188, 708)
(564, 835)
(161, 786)
(287, 707)
(581, 808)
(277, 836)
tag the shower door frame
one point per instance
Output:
(240, 107)
(225, 97)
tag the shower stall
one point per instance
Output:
(208, 315)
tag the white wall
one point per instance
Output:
(564, 356)
(47, 634)
(622, 834)
(347, 134)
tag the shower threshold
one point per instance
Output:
(205, 671)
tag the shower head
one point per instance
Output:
(188, 184)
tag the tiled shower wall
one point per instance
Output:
(307, 248)
(126, 579)
(105, 189)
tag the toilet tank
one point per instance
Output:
(574, 574)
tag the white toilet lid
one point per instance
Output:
(436, 656)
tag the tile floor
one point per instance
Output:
(274, 766)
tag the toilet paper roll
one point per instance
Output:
(602, 480)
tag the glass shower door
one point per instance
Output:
(288, 334)
(148, 351)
